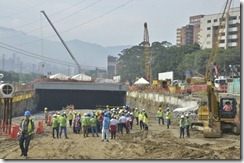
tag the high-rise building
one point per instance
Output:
(229, 32)
(195, 21)
(111, 67)
(185, 35)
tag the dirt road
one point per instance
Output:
(157, 143)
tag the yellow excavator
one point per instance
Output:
(214, 117)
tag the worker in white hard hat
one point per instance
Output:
(46, 114)
(187, 124)
(182, 126)
(55, 125)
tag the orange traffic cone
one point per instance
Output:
(14, 131)
(40, 128)
(49, 120)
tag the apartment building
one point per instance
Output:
(111, 66)
(185, 35)
(229, 33)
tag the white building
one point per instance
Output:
(229, 34)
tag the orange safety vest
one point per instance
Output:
(227, 107)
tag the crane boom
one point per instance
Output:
(147, 53)
(79, 68)
(215, 45)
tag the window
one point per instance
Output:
(232, 40)
(208, 35)
(232, 18)
(221, 41)
(232, 33)
(232, 25)
(208, 28)
(215, 20)
(209, 21)
(208, 42)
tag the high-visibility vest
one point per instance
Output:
(70, 116)
(93, 122)
(141, 117)
(58, 118)
(160, 113)
(30, 132)
(182, 124)
(63, 121)
(54, 122)
(145, 120)
(168, 115)
(85, 121)
(137, 113)
(188, 123)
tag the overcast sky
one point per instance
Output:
(105, 22)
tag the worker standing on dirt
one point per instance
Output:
(168, 117)
(105, 128)
(85, 124)
(26, 130)
(187, 124)
(93, 122)
(63, 123)
(137, 115)
(145, 121)
(46, 114)
(141, 120)
(54, 124)
(100, 119)
(70, 118)
(123, 122)
(113, 126)
(58, 118)
(160, 115)
(182, 126)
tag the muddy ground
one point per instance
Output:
(157, 143)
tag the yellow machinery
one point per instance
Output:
(213, 117)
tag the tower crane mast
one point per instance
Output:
(146, 45)
(72, 56)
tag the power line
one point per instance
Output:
(37, 29)
(37, 56)
(81, 23)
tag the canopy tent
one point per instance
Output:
(59, 76)
(81, 77)
(141, 81)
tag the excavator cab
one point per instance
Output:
(227, 108)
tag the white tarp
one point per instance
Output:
(141, 81)
(59, 76)
(186, 109)
(166, 76)
(81, 77)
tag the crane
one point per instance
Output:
(146, 45)
(72, 56)
(215, 45)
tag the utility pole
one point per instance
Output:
(79, 68)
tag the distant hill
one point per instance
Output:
(89, 54)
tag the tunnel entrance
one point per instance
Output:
(81, 95)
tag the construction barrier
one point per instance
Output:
(40, 128)
(49, 120)
(14, 131)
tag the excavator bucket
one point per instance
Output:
(213, 130)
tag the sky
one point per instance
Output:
(105, 22)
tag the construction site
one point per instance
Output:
(198, 118)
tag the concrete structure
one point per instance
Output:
(229, 34)
(111, 67)
(56, 95)
(185, 35)
(195, 21)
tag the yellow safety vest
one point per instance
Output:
(145, 120)
(168, 115)
(141, 117)
(29, 126)
(160, 113)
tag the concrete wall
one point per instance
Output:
(22, 101)
(151, 100)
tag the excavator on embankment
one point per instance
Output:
(214, 117)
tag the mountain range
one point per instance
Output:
(89, 55)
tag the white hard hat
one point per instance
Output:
(187, 115)
(58, 113)
(135, 108)
(54, 115)
(182, 116)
